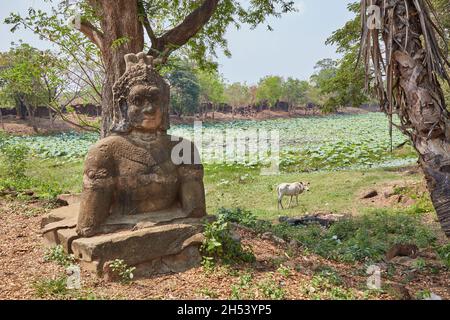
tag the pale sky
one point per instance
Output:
(291, 50)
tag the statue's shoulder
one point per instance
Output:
(104, 152)
(108, 144)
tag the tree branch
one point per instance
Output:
(146, 23)
(179, 35)
(90, 31)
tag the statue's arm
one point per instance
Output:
(98, 188)
(192, 190)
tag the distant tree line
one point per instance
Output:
(36, 83)
(198, 91)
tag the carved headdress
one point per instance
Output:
(139, 71)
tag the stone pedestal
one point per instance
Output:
(156, 243)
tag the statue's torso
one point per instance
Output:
(146, 178)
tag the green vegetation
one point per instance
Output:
(54, 162)
(272, 290)
(220, 245)
(363, 238)
(326, 143)
(31, 78)
(122, 270)
(327, 284)
(58, 255)
(56, 288)
(15, 160)
(23, 175)
(444, 253)
(185, 91)
(241, 290)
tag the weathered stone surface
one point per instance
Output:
(136, 247)
(139, 203)
(188, 258)
(132, 171)
(66, 237)
(70, 198)
(60, 214)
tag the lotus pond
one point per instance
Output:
(306, 144)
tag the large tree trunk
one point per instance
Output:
(424, 115)
(123, 33)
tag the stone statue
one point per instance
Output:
(131, 172)
(142, 202)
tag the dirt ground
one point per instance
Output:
(22, 264)
(15, 126)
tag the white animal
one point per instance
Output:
(291, 189)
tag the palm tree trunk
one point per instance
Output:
(413, 63)
(426, 112)
(431, 130)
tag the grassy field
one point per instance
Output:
(246, 188)
(338, 155)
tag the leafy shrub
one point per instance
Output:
(369, 237)
(15, 160)
(58, 255)
(220, 245)
(124, 272)
(238, 215)
(51, 287)
(444, 254)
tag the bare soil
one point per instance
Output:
(15, 126)
(22, 264)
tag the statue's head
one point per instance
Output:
(141, 97)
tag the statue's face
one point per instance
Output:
(144, 108)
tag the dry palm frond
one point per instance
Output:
(379, 44)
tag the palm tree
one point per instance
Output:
(406, 57)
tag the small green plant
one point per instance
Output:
(220, 244)
(423, 294)
(58, 255)
(208, 264)
(284, 271)
(271, 290)
(124, 272)
(328, 285)
(238, 290)
(236, 293)
(51, 287)
(238, 215)
(330, 275)
(208, 293)
(420, 264)
(444, 254)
